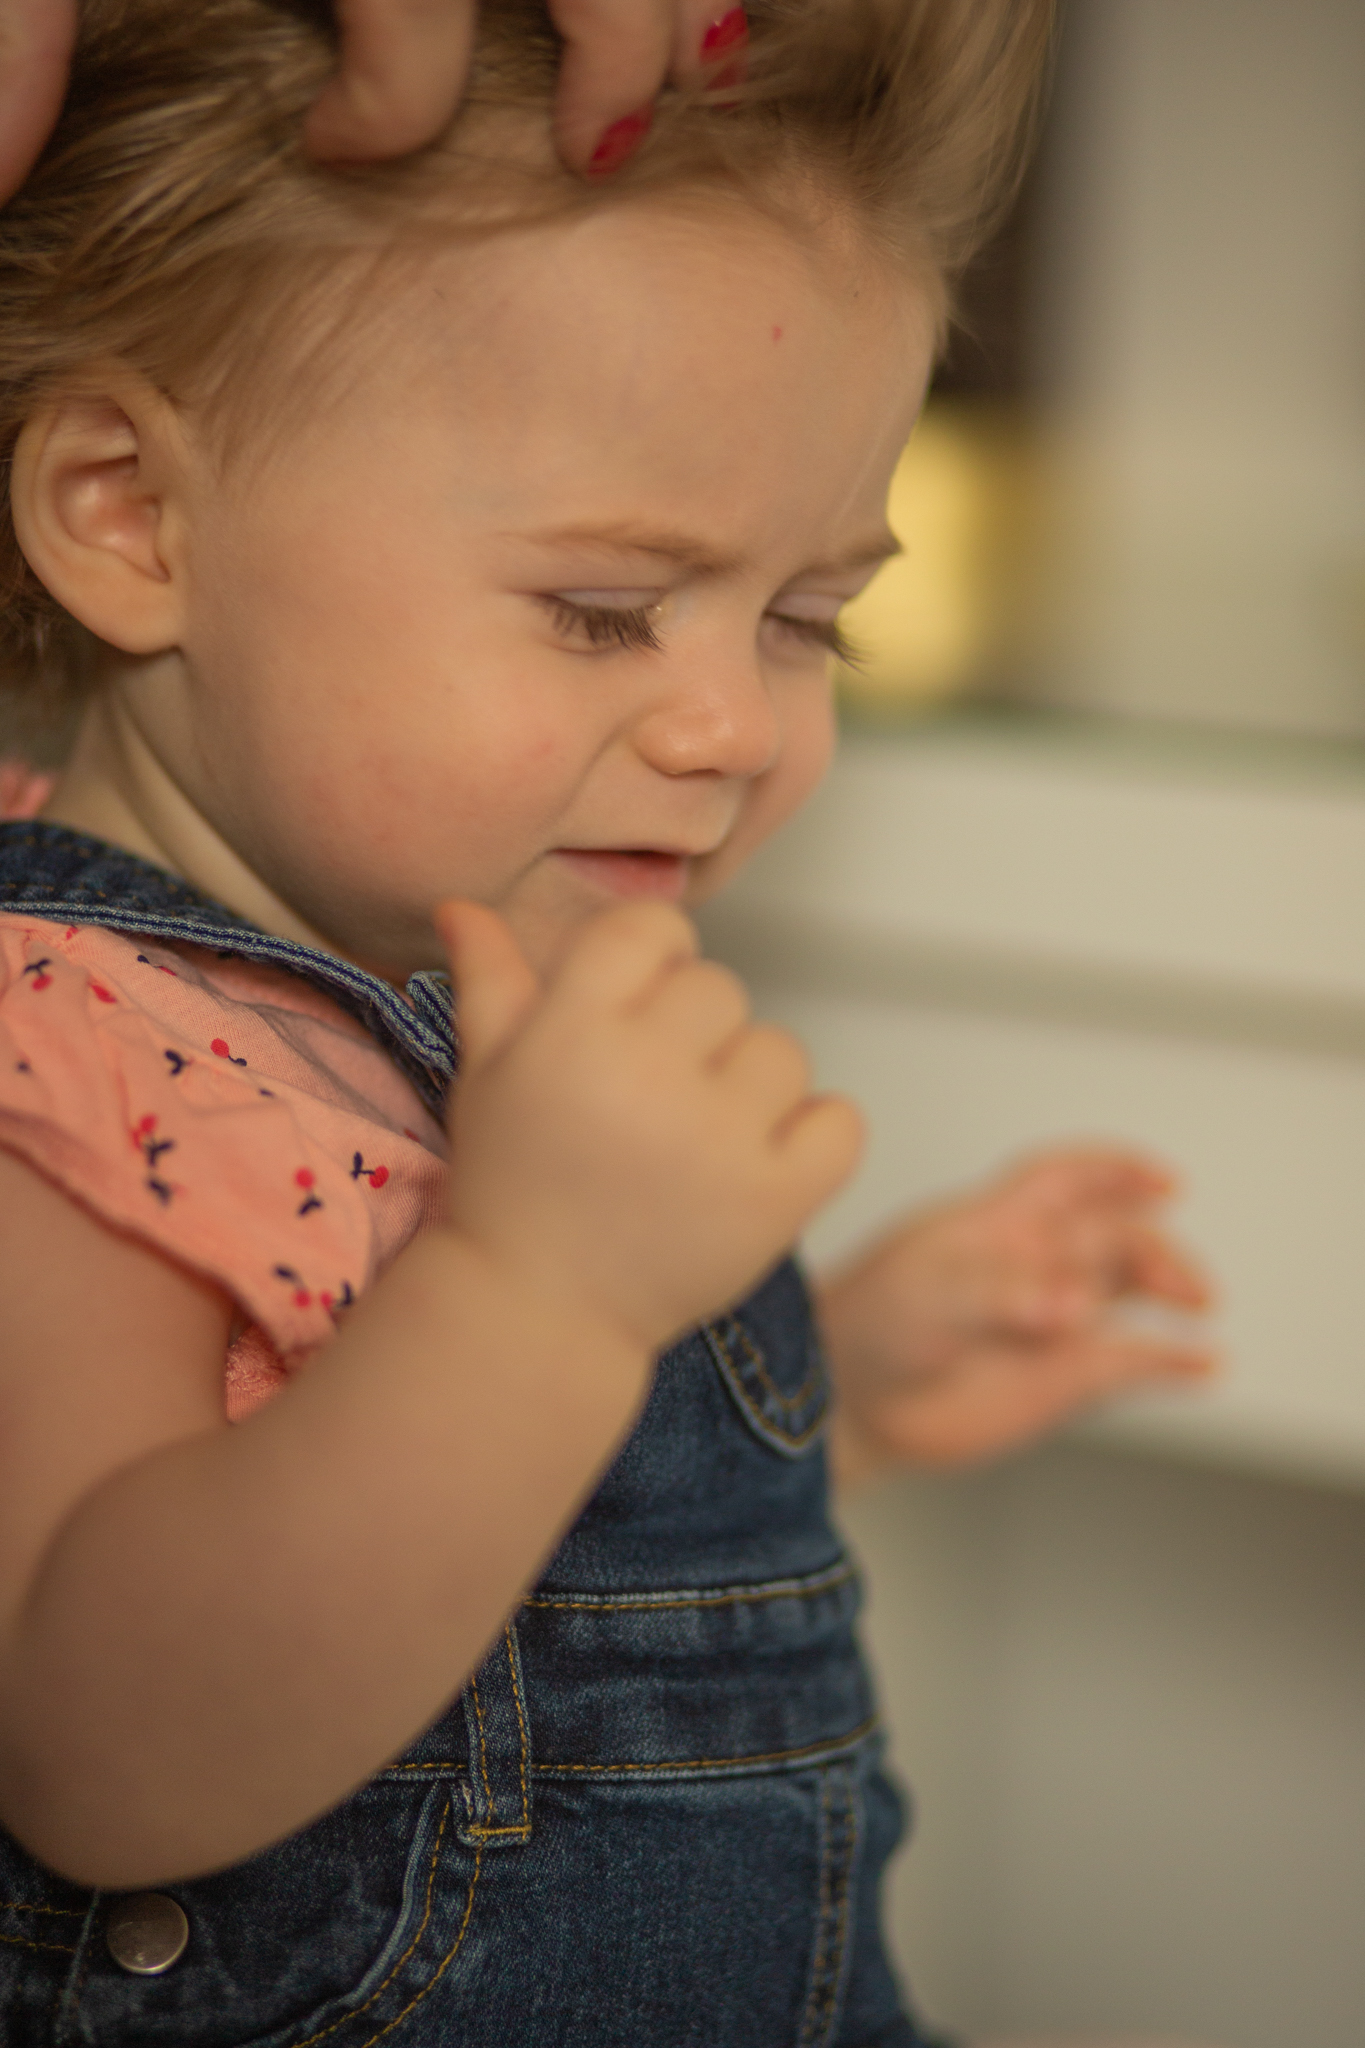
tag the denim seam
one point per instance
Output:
(734, 1373)
(818, 1969)
(61, 1948)
(477, 1830)
(378, 1992)
(69, 2004)
(791, 1589)
(838, 1848)
(60, 1912)
(483, 1753)
(758, 1361)
(446, 1960)
(515, 1676)
(713, 1763)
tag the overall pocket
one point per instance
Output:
(333, 1936)
(770, 1358)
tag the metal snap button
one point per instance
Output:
(146, 1932)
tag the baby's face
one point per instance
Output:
(537, 610)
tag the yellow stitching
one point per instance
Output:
(759, 1364)
(483, 1756)
(62, 1912)
(444, 1763)
(715, 1763)
(792, 1589)
(847, 1848)
(483, 1834)
(61, 1948)
(817, 1970)
(347, 2017)
(845, 1881)
(445, 1963)
(521, 1720)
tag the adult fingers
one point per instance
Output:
(402, 70)
(617, 54)
(36, 38)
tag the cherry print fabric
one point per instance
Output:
(223, 1111)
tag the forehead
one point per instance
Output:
(662, 363)
(649, 350)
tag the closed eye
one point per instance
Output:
(603, 625)
(636, 627)
(825, 633)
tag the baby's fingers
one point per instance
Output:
(626, 955)
(495, 988)
(820, 1143)
(1161, 1269)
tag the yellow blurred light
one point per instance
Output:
(930, 623)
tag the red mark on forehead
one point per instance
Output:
(777, 334)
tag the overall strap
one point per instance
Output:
(69, 878)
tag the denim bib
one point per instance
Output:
(655, 1815)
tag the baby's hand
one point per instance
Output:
(626, 1141)
(973, 1328)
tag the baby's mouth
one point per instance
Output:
(630, 870)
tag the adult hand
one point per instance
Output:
(404, 64)
(36, 37)
(972, 1329)
(403, 68)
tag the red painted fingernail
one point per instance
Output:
(724, 49)
(619, 142)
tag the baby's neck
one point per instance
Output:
(116, 788)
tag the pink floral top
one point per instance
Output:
(224, 1111)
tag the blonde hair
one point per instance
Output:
(175, 221)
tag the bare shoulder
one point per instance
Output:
(108, 1351)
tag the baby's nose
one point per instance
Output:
(721, 722)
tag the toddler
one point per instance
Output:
(419, 1614)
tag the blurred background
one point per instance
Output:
(1093, 864)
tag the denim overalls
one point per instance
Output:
(653, 1817)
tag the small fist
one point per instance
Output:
(627, 1140)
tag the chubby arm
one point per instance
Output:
(208, 1635)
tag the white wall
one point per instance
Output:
(1130, 1696)
(1201, 336)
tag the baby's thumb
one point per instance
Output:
(494, 985)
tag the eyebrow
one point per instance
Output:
(685, 551)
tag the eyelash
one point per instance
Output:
(608, 626)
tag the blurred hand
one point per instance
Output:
(972, 1329)
(36, 37)
(402, 71)
(626, 1143)
(404, 64)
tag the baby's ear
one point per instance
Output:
(97, 490)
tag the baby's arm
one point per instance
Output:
(972, 1328)
(209, 1634)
